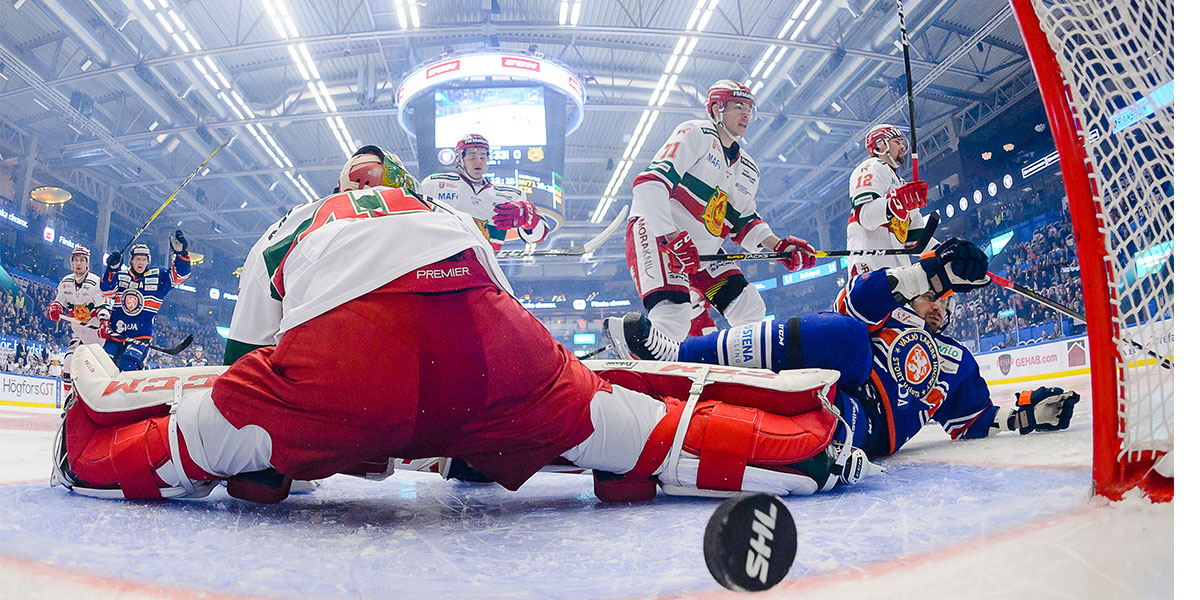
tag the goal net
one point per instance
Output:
(1106, 73)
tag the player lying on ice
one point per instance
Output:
(378, 324)
(898, 371)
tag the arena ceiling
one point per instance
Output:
(823, 71)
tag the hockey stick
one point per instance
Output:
(595, 352)
(1015, 287)
(587, 247)
(173, 194)
(931, 223)
(912, 112)
(180, 347)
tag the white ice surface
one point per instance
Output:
(1006, 517)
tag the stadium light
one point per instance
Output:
(987, 156)
(697, 21)
(962, 204)
(949, 210)
(1008, 181)
(992, 189)
(1009, 147)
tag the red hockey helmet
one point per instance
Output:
(878, 137)
(81, 251)
(723, 91)
(471, 140)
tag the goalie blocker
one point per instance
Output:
(691, 429)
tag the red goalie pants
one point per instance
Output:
(466, 373)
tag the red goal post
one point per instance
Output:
(1105, 69)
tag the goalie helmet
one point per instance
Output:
(723, 91)
(372, 166)
(878, 138)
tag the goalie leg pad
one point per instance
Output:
(135, 458)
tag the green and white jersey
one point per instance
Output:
(325, 253)
(84, 305)
(871, 225)
(454, 190)
(691, 186)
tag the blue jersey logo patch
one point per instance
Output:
(914, 365)
(132, 302)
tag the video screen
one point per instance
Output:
(506, 116)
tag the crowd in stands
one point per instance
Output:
(22, 317)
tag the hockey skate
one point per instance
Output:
(634, 336)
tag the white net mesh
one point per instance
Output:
(1117, 59)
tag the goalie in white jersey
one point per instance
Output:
(885, 211)
(80, 301)
(495, 208)
(698, 190)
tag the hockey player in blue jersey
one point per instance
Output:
(137, 294)
(898, 371)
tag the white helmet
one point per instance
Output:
(877, 142)
(82, 251)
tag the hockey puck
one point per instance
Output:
(750, 542)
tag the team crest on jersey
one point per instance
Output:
(899, 229)
(914, 363)
(132, 302)
(81, 313)
(714, 212)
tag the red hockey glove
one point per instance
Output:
(521, 213)
(682, 256)
(802, 253)
(54, 311)
(105, 329)
(909, 196)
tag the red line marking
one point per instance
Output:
(116, 585)
(886, 567)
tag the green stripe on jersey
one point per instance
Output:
(664, 169)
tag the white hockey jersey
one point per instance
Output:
(691, 186)
(84, 305)
(325, 253)
(871, 225)
(454, 190)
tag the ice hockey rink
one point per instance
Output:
(1008, 516)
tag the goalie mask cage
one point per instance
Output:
(1106, 73)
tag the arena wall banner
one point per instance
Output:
(30, 390)
(1048, 360)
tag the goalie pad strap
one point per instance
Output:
(727, 444)
(658, 445)
(134, 447)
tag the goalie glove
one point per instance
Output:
(910, 196)
(520, 213)
(1043, 409)
(956, 265)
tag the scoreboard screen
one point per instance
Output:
(507, 117)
